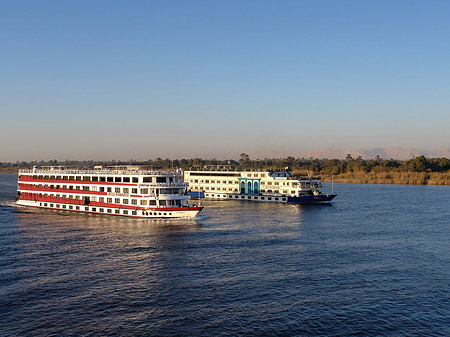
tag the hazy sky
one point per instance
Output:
(145, 79)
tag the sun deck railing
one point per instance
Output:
(100, 172)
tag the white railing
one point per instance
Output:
(101, 172)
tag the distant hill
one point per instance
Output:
(400, 153)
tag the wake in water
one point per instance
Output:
(8, 203)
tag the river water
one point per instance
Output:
(374, 262)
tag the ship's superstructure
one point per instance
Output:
(125, 191)
(264, 186)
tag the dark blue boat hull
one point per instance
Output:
(304, 199)
(311, 199)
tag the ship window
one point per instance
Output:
(78, 178)
(63, 206)
(109, 189)
(161, 180)
(147, 179)
(126, 179)
(78, 188)
(125, 201)
(70, 187)
(93, 209)
(109, 210)
(276, 198)
(269, 198)
(85, 188)
(162, 202)
(101, 199)
(125, 211)
(134, 202)
(65, 178)
(118, 179)
(135, 179)
(126, 190)
(144, 191)
(134, 190)
(94, 178)
(152, 202)
(86, 178)
(117, 211)
(143, 202)
(117, 200)
(94, 188)
(46, 178)
(52, 205)
(109, 200)
(86, 208)
(57, 205)
(109, 179)
(101, 210)
(134, 212)
(93, 198)
(70, 207)
(262, 198)
(77, 208)
(102, 189)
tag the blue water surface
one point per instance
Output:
(376, 262)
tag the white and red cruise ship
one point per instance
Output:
(124, 191)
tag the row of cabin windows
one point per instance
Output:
(214, 181)
(108, 200)
(276, 183)
(142, 202)
(133, 180)
(256, 175)
(125, 190)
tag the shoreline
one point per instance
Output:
(391, 178)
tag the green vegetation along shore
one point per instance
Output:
(417, 171)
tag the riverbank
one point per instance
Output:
(402, 178)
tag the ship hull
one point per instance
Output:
(311, 199)
(304, 199)
(153, 213)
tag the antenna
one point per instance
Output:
(332, 184)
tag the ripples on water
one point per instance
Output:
(375, 262)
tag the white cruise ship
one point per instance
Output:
(264, 186)
(124, 191)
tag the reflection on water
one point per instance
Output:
(372, 262)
